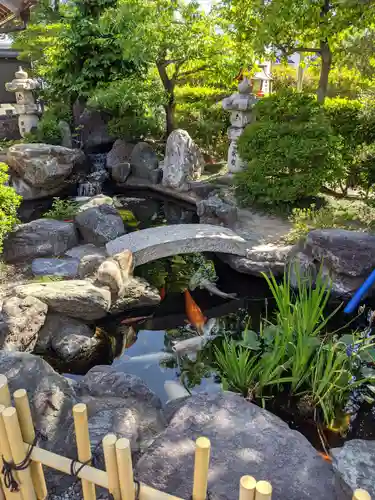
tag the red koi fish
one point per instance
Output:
(162, 293)
(194, 313)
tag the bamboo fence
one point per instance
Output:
(17, 434)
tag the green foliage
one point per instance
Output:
(177, 273)
(9, 202)
(345, 214)
(62, 209)
(319, 29)
(47, 130)
(136, 107)
(199, 111)
(290, 151)
(79, 50)
(343, 82)
(353, 122)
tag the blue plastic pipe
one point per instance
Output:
(362, 290)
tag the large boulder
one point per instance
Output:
(121, 152)
(121, 172)
(93, 129)
(41, 169)
(245, 439)
(89, 257)
(69, 338)
(143, 161)
(355, 461)
(20, 323)
(136, 293)
(260, 259)
(76, 298)
(347, 257)
(100, 224)
(39, 238)
(214, 210)
(183, 161)
(117, 403)
(88, 250)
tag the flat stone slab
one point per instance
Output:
(55, 267)
(158, 242)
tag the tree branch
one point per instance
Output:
(192, 71)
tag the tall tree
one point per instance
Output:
(283, 27)
(181, 41)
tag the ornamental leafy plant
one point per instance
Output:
(294, 353)
(290, 151)
(9, 202)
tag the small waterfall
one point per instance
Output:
(92, 184)
(89, 188)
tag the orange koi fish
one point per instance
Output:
(194, 313)
(325, 457)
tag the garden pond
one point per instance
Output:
(146, 342)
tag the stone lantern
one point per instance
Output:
(240, 107)
(261, 81)
(26, 108)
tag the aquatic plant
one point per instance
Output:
(62, 209)
(294, 353)
(176, 273)
(300, 316)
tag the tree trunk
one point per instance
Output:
(326, 56)
(169, 113)
(169, 85)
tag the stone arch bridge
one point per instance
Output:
(163, 241)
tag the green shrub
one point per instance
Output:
(136, 107)
(62, 209)
(290, 151)
(9, 202)
(47, 130)
(353, 122)
(199, 112)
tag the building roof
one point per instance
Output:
(13, 14)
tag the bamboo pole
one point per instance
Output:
(83, 446)
(7, 454)
(202, 460)
(109, 449)
(247, 488)
(4, 392)
(263, 490)
(97, 476)
(125, 469)
(28, 434)
(361, 495)
(17, 448)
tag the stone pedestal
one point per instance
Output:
(240, 107)
(26, 108)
